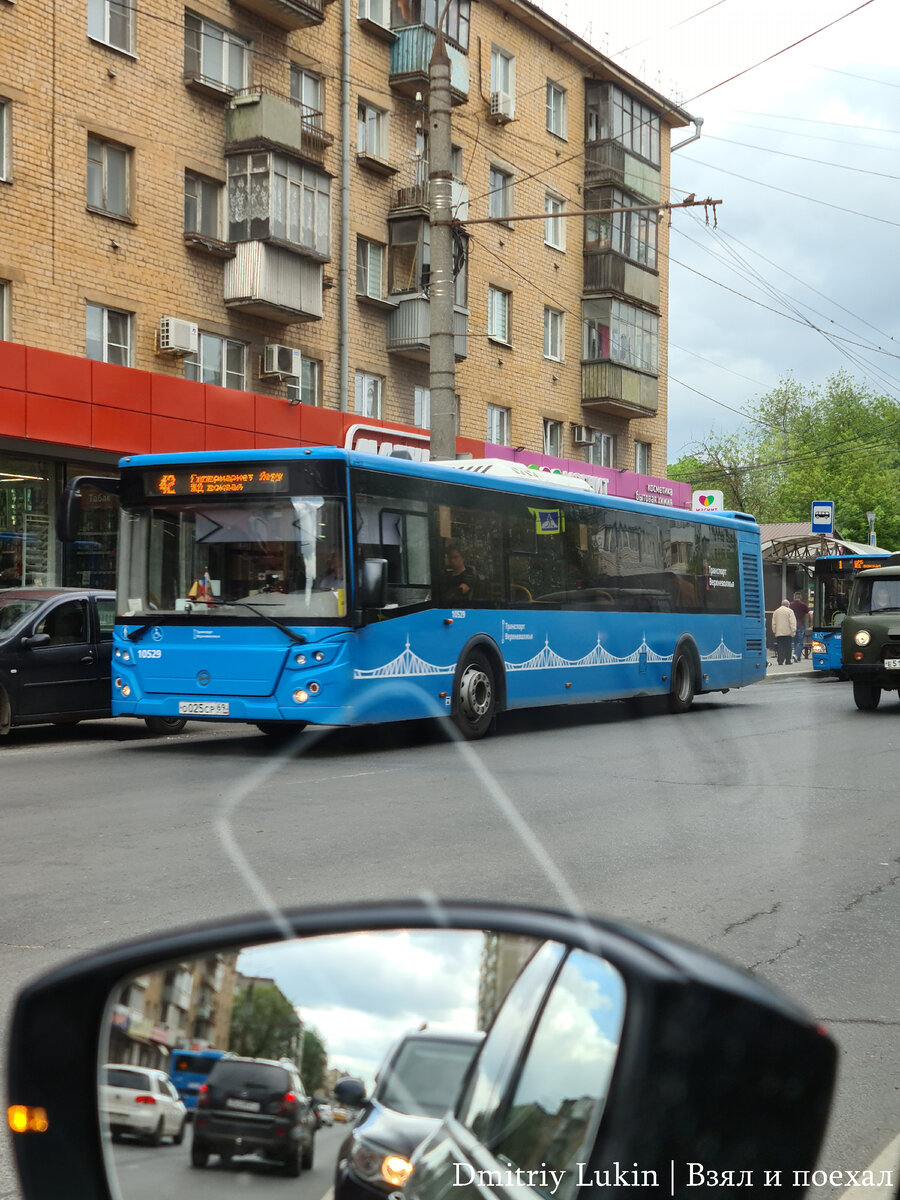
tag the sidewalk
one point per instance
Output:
(791, 670)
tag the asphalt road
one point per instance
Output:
(762, 825)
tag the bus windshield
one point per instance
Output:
(215, 558)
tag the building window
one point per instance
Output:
(376, 11)
(422, 408)
(108, 169)
(369, 268)
(620, 333)
(497, 425)
(556, 109)
(218, 360)
(215, 54)
(306, 91)
(642, 457)
(108, 335)
(305, 390)
(5, 139)
(501, 194)
(112, 22)
(553, 434)
(371, 126)
(614, 115)
(274, 196)
(631, 234)
(602, 450)
(369, 389)
(409, 257)
(554, 334)
(498, 315)
(4, 310)
(201, 205)
(503, 72)
(425, 12)
(554, 224)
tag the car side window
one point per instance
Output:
(552, 1119)
(66, 624)
(502, 1048)
(106, 618)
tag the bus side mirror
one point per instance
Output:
(68, 507)
(373, 583)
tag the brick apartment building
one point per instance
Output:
(215, 235)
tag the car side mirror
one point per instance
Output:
(612, 1045)
(36, 639)
(373, 583)
(351, 1092)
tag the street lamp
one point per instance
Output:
(870, 517)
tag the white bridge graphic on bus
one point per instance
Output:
(408, 663)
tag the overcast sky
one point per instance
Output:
(834, 98)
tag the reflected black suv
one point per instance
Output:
(254, 1106)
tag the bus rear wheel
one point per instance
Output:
(681, 692)
(866, 695)
(476, 696)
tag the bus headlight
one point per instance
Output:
(818, 647)
(300, 696)
(319, 655)
(300, 660)
(862, 637)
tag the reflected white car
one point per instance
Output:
(143, 1102)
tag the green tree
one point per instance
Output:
(838, 442)
(263, 1022)
(314, 1061)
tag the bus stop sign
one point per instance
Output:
(823, 516)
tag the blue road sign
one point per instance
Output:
(823, 516)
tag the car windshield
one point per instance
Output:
(253, 1076)
(876, 595)
(425, 1077)
(14, 608)
(123, 1078)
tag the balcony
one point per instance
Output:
(409, 329)
(618, 391)
(271, 282)
(607, 271)
(413, 198)
(257, 120)
(609, 163)
(410, 59)
(287, 14)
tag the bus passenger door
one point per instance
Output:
(753, 622)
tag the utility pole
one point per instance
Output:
(442, 360)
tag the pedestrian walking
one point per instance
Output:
(800, 609)
(784, 630)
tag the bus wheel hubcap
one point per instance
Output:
(475, 693)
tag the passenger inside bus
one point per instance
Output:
(460, 582)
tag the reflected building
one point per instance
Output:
(292, 1038)
(503, 955)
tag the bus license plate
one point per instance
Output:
(892, 664)
(203, 708)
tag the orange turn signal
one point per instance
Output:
(23, 1118)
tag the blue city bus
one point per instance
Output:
(188, 1071)
(833, 575)
(470, 588)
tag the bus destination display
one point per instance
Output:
(217, 480)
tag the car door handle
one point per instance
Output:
(88, 658)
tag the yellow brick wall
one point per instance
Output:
(58, 255)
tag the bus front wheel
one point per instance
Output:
(476, 696)
(681, 692)
(280, 731)
(866, 695)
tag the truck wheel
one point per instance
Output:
(866, 695)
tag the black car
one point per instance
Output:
(254, 1106)
(419, 1081)
(55, 655)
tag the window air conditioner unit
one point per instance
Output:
(281, 361)
(502, 107)
(582, 435)
(176, 337)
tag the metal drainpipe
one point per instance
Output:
(344, 266)
(698, 122)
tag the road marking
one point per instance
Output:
(887, 1160)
